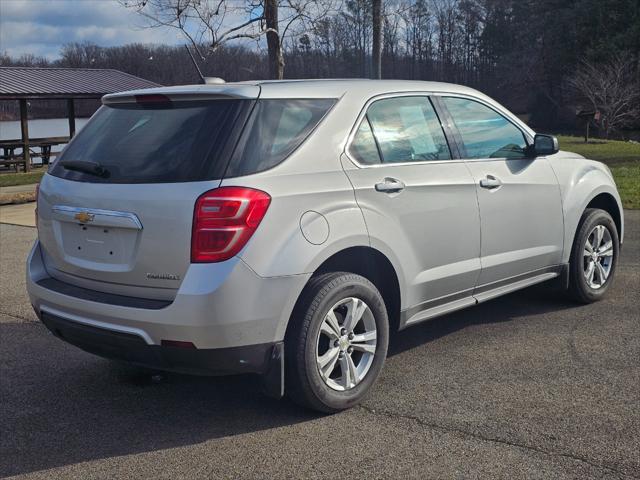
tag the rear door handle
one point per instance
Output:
(490, 182)
(390, 185)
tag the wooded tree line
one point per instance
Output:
(527, 54)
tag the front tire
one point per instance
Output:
(594, 256)
(337, 343)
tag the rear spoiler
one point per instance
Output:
(187, 93)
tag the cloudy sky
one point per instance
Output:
(41, 27)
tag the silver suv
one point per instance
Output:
(284, 228)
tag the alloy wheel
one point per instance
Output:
(346, 344)
(598, 257)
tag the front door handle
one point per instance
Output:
(490, 182)
(390, 185)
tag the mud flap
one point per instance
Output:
(562, 282)
(273, 379)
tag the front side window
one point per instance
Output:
(485, 133)
(399, 130)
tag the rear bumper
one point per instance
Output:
(218, 307)
(133, 349)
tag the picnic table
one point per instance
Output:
(9, 157)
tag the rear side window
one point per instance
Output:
(363, 148)
(406, 129)
(485, 133)
(156, 142)
(275, 129)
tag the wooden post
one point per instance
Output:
(71, 111)
(24, 128)
(586, 133)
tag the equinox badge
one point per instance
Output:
(163, 276)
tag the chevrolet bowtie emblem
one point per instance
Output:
(84, 217)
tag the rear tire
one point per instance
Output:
(337, 342)
(594, 256)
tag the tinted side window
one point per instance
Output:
(275, 129)
(363, 147)
(485, 133)
(408, 130)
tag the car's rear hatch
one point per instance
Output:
(116, 210)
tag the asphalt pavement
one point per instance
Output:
(526, 386)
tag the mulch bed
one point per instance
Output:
(19, 197)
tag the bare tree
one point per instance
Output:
(448, 37)
(276, 60)
(376, 49)
(418, 37)
(209, 24)
(294, 19)
(202, 22)
(357, 22)
(611, 90)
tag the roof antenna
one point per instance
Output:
(203, 79)
(195, 64)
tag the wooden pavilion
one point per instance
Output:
(23, 84)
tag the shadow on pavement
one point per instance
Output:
(535, 300)
(61, 406)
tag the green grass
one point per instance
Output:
(627, 177)
(622, 157)
(11, 179)
(607, 151)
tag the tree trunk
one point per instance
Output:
(376, 54)
(276, 60)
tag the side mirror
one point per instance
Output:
(545, 145)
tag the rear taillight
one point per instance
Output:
(224, 220)
(36, 210)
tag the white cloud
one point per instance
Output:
(42, 27)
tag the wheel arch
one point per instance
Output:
(603, 196)
(372, 265)
(605, 201)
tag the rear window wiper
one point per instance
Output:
(92, 168)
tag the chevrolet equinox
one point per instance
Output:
(284, 228)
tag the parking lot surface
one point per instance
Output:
(525, 386)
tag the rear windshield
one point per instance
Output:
(150, 143)
(187, 141)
